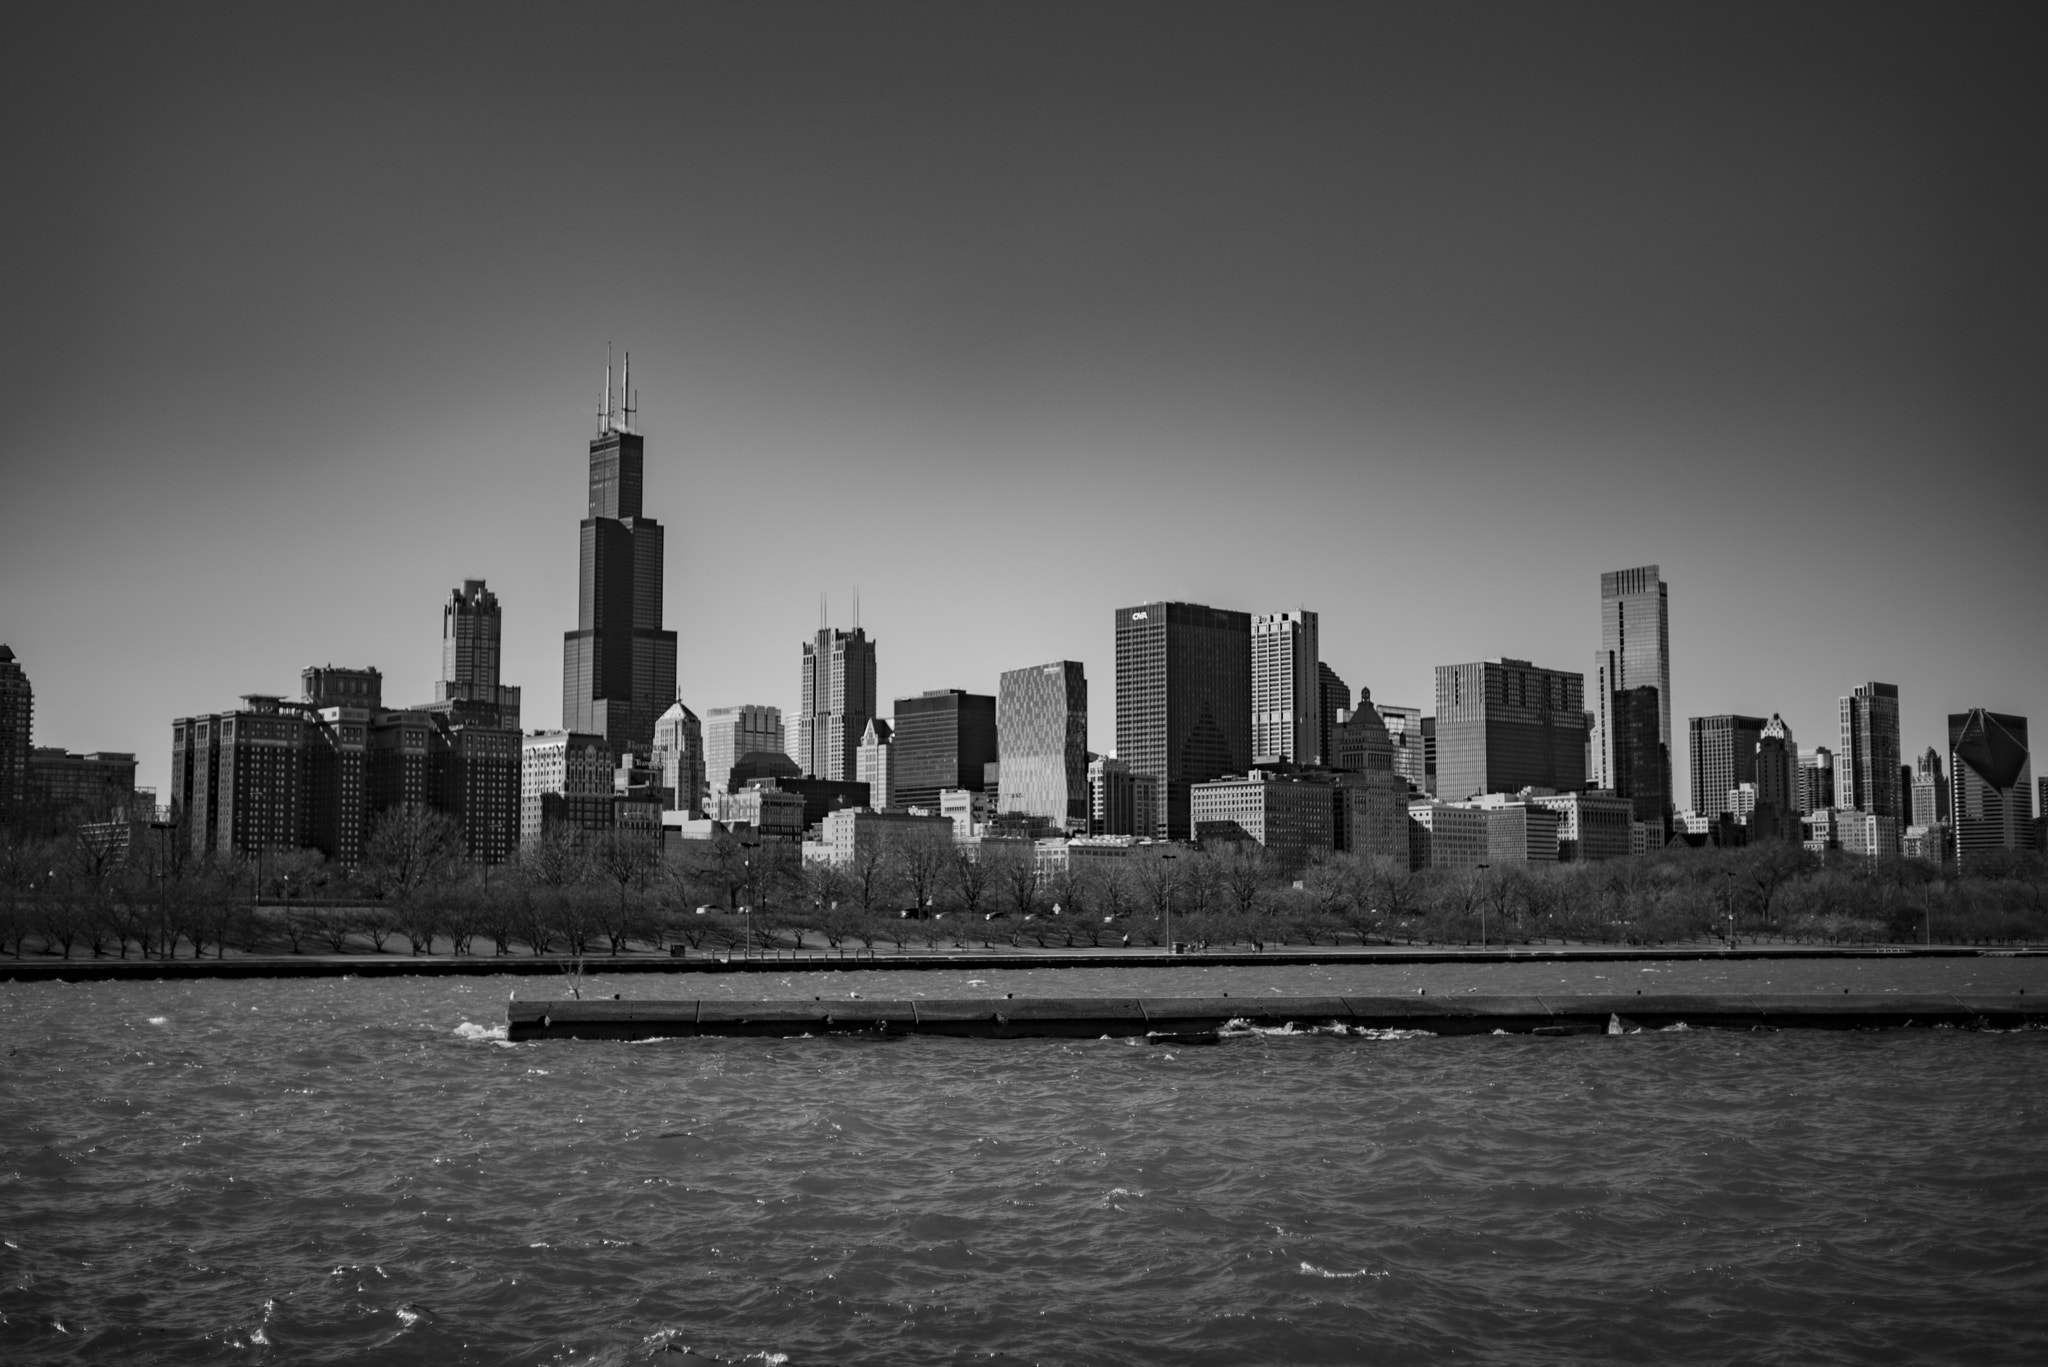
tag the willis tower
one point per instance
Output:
(618, 666)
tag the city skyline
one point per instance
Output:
(1474, 412)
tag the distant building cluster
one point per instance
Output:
(1231, 730)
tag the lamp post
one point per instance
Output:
(1730, 905)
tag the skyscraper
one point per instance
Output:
(471, 627)
(1990, 784)
(1867, 765)
(1635, 652)
(1777, 766)
(1361, 743)
(1411, 756)
(1723, 756)
(1639, 762)
(619, 665)
(1287, 687)
(836, 702)
(679, 758)
(1333, 697)
(875, 764)
(733, 733)
(17, 732)
(1504, 725)
(1816, 792)
(1042, 742)
(1183, 699)
(944, 738)
(1930, 790)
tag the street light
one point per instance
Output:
(1730, 905)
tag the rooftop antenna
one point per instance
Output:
(608, 410)
(822, 626)
(856, 607)
(626, 391)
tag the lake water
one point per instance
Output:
(338, 1170)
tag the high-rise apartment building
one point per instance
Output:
(1990, 784)
(1183, 699)
(943, 740)
(17, 732)
(678, 759)
(619, 665)
(733, 733)
(1504, 725)
(565, 783)
(1635, 652)
(472, 627)
(836, 702)
(1042, 742)
(1333, 697)
(1867, 765)
(875, 764)
(1287, 687)
(1723, 756)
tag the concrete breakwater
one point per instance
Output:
(1123, 1017)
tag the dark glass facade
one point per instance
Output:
(1183, 699)
(619, 665)
(1723, 755)
(943, 740)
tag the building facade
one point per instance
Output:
(1333, 698)
(732, 733)
(619, 664)
(1590, 826)
(1723, 756)
(1287, 700)
(1121, 802)
(1292, 820)
(1990, 785)
(837, 700)
(565, 782)
(1930, 790)
(1414, 759)
(1183, 700)
(1361, 742)
(472, 628)
(1444, 836)
(1867, 765)
(1042, 743)
(678, 759)
(1505, 725)
(17, 731)
(875, 764)
(1634, 653)
(944, 738)
(1816, 780)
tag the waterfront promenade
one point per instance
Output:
(47, 968)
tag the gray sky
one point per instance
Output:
(1419, 316)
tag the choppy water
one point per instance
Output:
(336, 1171)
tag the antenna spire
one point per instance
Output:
(626, 391)
(609, 411)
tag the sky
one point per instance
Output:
(1011, 315)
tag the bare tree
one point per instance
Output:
(625, 859)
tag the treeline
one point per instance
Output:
(615, 892)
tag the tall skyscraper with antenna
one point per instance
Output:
(619, 664)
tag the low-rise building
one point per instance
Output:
(1291, 819)
(1592, 826)
(1445, 836)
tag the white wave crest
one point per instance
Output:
(159, 1020)
(1311, 1270)
(470, 1031)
